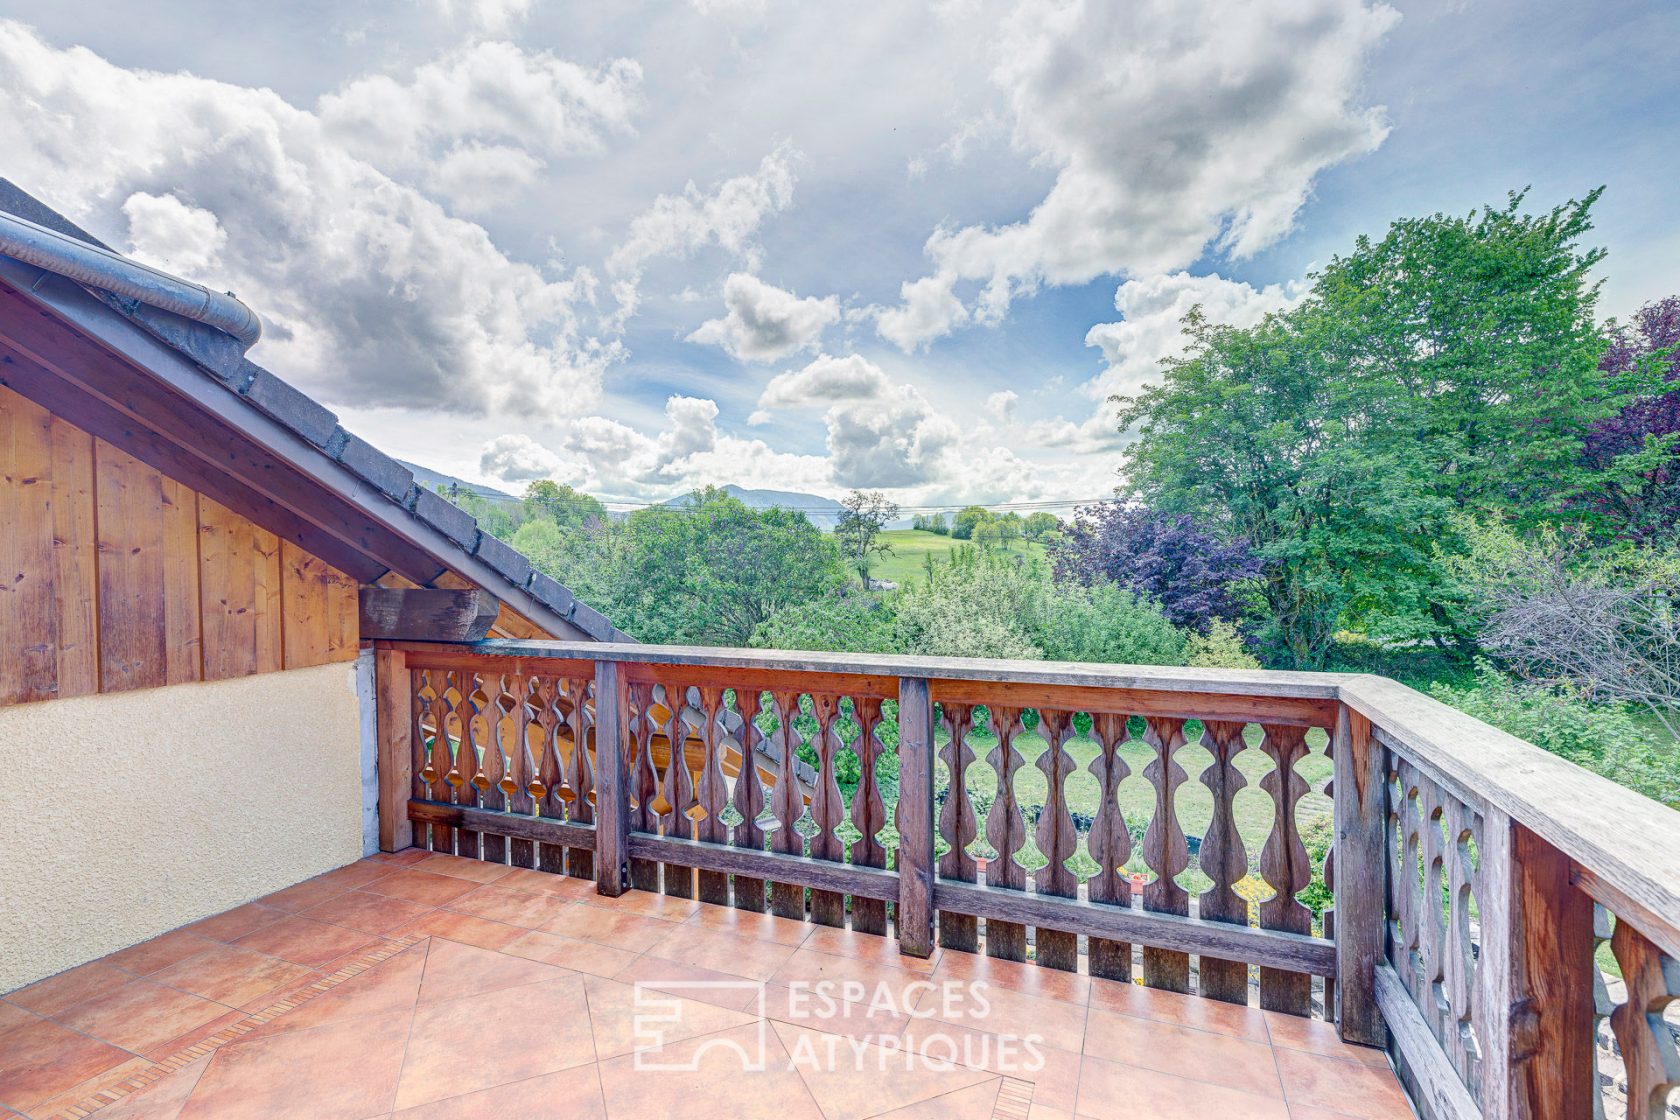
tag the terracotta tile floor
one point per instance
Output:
(430, 988)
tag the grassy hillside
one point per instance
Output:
(904, 564)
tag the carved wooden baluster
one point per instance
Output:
(421, 741)
(1649, 1054)
(748, 799)
(463, 774)
(1006, 832)
(1410, 963)
(828, 809)
(1432, 929)
(1603, 1008)
(1056, 837)
(442, 763)
(546, 719)
(643, 787)
(1460, 980)
(1165, 852)
(1110, 843)
(522, 775)
(1283, 862)
(787, 900)
(957, 825)
(1329, 917)
(711, 792)
(1394, 842)
(1223, 858)
(869, 812)
(580, 772)
(493, 762)
(676, 788)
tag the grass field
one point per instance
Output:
(904, 564)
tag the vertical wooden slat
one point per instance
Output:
(75, 551)
(1110, 844)
(228, 585)
(1165, 851)
(131, 592)
(464, 779)
(828, 908)
(711, 793)
(1647, 1043)
(495, 765)
(267, 602)
(748, 799)
(394, 710)
(958, 825)
(182, 617)
(523, 787)
(320, 610)
(441, 764)
(612, 811)
(643, 781)
(1223, 858)
(1283, 861)
(787, 900)
(547, 719)
(676, 788)
(580, 775)
(28, 611)
(1361, 819)
(914, 911)
(1460, 836)
(1056, 838)
(420, 693)
(1006, 832)
(869, 813)
(1535, 1026)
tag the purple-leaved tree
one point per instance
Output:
(1636, 452)
(1192, 574)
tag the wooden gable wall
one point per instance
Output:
(114, 576)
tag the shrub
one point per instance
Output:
(844, 621)
(1604, 738)
(1222, 647)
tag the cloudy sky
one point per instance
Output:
(641, 247)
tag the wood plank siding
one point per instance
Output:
(114, 576)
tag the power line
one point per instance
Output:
(676, 506)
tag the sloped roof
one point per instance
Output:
(164, 387)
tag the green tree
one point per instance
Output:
(1041, 526)
(1449, 365)
(562, 504)
(711, 570)
(858, 531)
(965, 521)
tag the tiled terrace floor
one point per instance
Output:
(434, 988)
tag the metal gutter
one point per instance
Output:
(100, 268)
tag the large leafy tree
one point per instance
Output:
(710, 570)
(1450, 365)
(863, 514)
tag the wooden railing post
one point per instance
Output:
(1535, 979)
(1361, 877)
(394, 713)
(914, 914)
(612, 795)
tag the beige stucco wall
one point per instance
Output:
(129, 814)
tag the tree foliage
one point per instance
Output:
(1450, 365)
(863, 514)
(1197, 578)
(1634, 493)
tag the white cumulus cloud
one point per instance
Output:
(823, 380)
(519, 458)
(372, 294)
(1172, 126)
(171, 234)
(764, 322)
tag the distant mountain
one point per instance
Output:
(431, 479)
(823, 512)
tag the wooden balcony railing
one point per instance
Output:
(1472, 877)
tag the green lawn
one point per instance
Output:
(904, 564)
